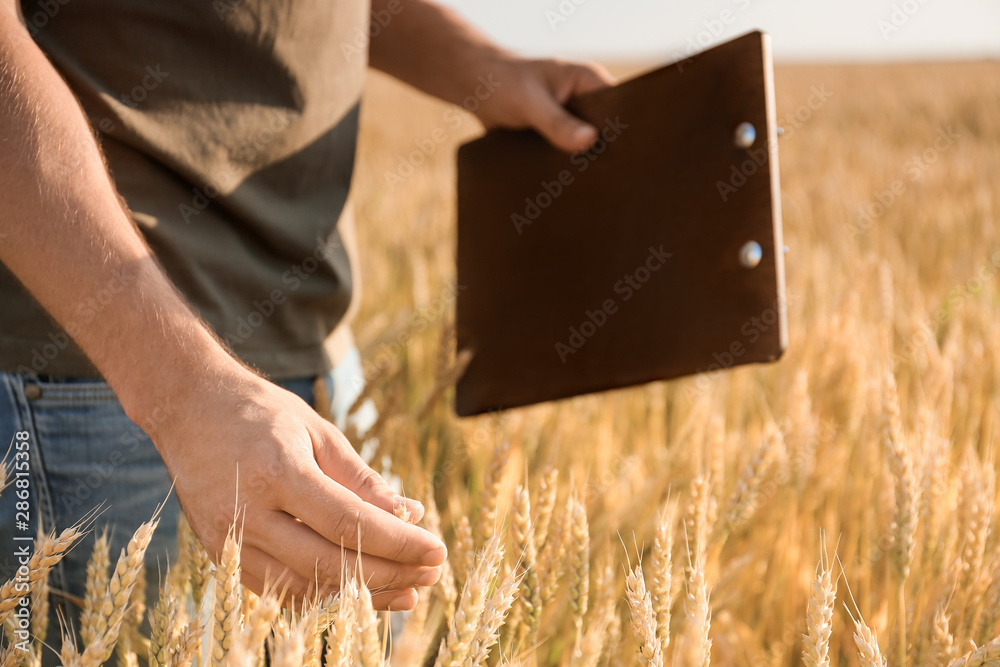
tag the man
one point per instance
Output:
(229, 130)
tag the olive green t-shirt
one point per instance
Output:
(229, 127)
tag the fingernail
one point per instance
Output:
(436, 556)
(403, 601)
(429, 578)
(407, 509)
(584, 136)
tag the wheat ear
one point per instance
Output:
(819, 615)
(97, 582)
(338, 642)
(661, 586)
(48, 551)
(743, 503)
(200, 571)
(580, 569)
(643, 622)
(40, 608)
(289, 651)
(162, 625)
(227, 598)
(528, 604)
(546, 495)
(492, 618)
(986, 655)
(551, 560)
(462, 630)
(697, 645)
(488, 499)
(942, 642)
(366, 645)
(118, 595)
(867, 642)
(464, 551)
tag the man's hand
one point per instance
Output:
(306, 497)
(433, 49)
(533, 94)
(302, 493)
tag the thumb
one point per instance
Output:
(561, 128)
(338, 461)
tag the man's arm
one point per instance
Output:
(433, 49)
(66, 236)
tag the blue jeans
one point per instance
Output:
(85, 453)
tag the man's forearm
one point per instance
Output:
(66, 235)
(431, 48)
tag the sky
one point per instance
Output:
(801, 30)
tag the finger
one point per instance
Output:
(290, 596)
(359, 487)
(396, 600)
(588, 77)
(337, 458)
(561, 128)
(260, 570)
(311, 557)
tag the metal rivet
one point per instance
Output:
(781, 131)
(784, 250)
(32, 392)
(751, 254)
(745, 135)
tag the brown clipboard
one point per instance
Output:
(655, 254)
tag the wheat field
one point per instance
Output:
(835, 508)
